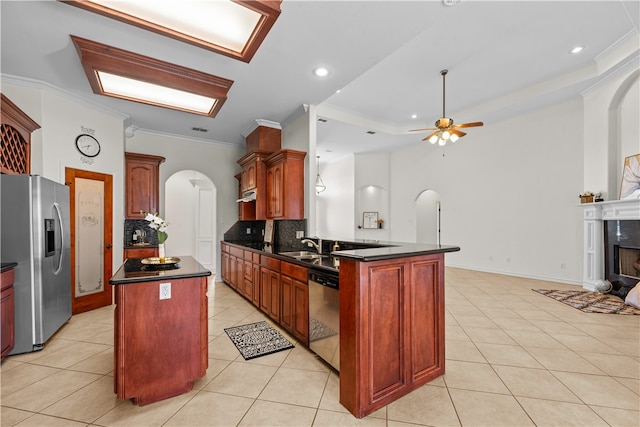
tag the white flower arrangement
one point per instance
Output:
(158, 224)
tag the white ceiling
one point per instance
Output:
(504, 58)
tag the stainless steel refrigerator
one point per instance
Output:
(34, 217)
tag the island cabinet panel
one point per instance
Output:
(160, 344)
(391, 329)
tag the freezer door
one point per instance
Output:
(52, 287)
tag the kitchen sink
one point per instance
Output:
(303, 255)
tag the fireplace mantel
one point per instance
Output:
(594, 215)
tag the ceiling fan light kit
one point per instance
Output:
(445, 130)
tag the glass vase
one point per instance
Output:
(161, 254)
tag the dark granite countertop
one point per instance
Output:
(134, 271)
(8, 265)
(368, 251)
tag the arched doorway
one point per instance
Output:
(428, 217)
(190, 206)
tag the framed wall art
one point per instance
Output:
(370, 220)
(630, 186)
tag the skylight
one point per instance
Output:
(232, 28)
(127, 75)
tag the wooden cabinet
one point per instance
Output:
(391, 329)
(252, 177)
(225, 272)
(7, 338)
(142, 174)
(140, 252)
(161, 345)
(248, 178)
(264, 138)
(16, 128)
(256, 281)
(252, 277)
(278, 288)
(278, 180)
(285, 184)
(294, 309)
(270, 287)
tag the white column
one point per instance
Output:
(593, 246)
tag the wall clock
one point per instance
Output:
(87, 145)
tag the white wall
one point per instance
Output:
(607, 142)
(372, 189)
(335, 205)
(217, 161)
(62, 118)
(508, 194)
(300, 134)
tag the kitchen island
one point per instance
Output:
(391, 315)
(160, 329)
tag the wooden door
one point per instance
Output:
(91, 212)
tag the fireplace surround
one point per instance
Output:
(611, 242)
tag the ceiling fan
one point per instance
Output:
(445, 130)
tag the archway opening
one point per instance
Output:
(190, 207)
(428, 217)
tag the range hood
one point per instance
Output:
(247, 196)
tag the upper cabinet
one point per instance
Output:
(272, 179)
(142, 188)
(16, 138)
(285, 185)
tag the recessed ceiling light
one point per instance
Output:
(321, 72)
(413, 116)
(339, 90)
(232, 28)
(577, 49)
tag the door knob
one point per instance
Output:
(109, 246)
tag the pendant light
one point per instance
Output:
(320, 187)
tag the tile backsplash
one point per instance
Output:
(284, 233)
(140, 228)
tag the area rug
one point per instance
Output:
(318, 330)
(257, 339)
(590, 302)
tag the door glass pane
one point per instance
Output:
(89, 236)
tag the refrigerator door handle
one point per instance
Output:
(62, 242)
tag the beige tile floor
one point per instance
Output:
(514, 358)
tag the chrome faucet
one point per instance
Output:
(310, 242)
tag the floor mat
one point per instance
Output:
(590, 302)
(257, 339)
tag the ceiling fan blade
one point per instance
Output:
(423, 129)
(458, 132)
(430, 135)
(469, 125)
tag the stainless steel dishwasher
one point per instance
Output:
(324, 316)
